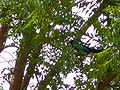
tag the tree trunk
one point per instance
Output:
(3, 36)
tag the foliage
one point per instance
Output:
(42, 29)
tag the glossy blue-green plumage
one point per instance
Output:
(78, 46)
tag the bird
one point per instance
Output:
(79, 46)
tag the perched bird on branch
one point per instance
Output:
(78, 46)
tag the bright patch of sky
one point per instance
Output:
(69, 79)
(7, 57)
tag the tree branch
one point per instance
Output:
(3, 36)
(90, 21)
(106, 82)
(30, 69)
(28, 75)
(20, 66)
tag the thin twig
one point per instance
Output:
(10, 46)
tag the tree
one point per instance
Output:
(42, 29)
